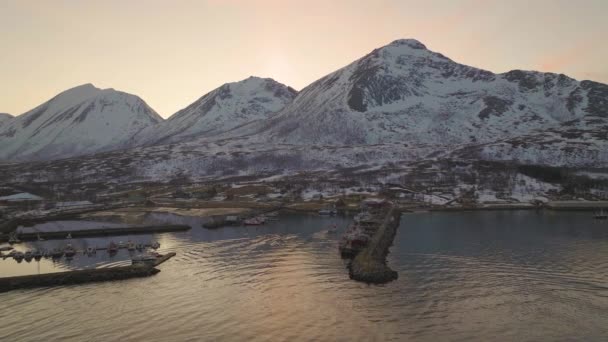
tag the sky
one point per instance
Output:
(170, 53)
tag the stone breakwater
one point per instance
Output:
(369, 265)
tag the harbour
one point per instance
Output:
(462, 275)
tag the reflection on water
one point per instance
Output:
(477, 275)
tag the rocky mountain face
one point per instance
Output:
(405, 93)
(78, 121)
(221, 110)
(4, 118)
(398, 105)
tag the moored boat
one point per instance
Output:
(69, 251)
(131, 245)
(601, 215)
(144, 259)
(112, 248)
(56, 253)
(255, 221)
(18, 256)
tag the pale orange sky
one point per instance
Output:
(172, 52)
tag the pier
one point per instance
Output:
(98, 232)
(369, 262)
(82, 276)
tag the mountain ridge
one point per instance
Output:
(80, 120)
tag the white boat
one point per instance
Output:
(69, 251)
(256, 221)
(327, 212)
(131, 245)
(144, 259)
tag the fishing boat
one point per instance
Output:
(333, 229)
(328, 212)
(255, 221)
(56, 253)
(18, 256)
(131, 245)
(144, 259)
(112, 248)
(601, 215)
(13, 239)
(69, 251)
(91, 251)
(28, 256)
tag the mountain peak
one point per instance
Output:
(412, 43)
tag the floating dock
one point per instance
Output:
(127, 230)
(82, 276)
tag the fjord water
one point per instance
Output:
(516, 275)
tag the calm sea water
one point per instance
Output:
(500, 276)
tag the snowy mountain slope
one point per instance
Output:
(78, 121)
(576, 143)
(229, 106)
(405, 93)
(4, 118)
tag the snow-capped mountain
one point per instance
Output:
(404, 92)
(227, 107)
(4, 118)
(78, 121)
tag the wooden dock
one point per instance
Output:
(127, 230)
(82, 276)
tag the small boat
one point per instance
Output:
(256, 221)
(333, 230)
(28, 256)
(328, 212)
(69, 251)
(131, 245)
(5, 248)
(69, 236)
(40, 238)
(155, 245)
(112, 248)
(91, 251)
(121, 244)
(140, 247)
(37, 255)
(18, 256)
(144, 259)
(56, 253)
(601, 215)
